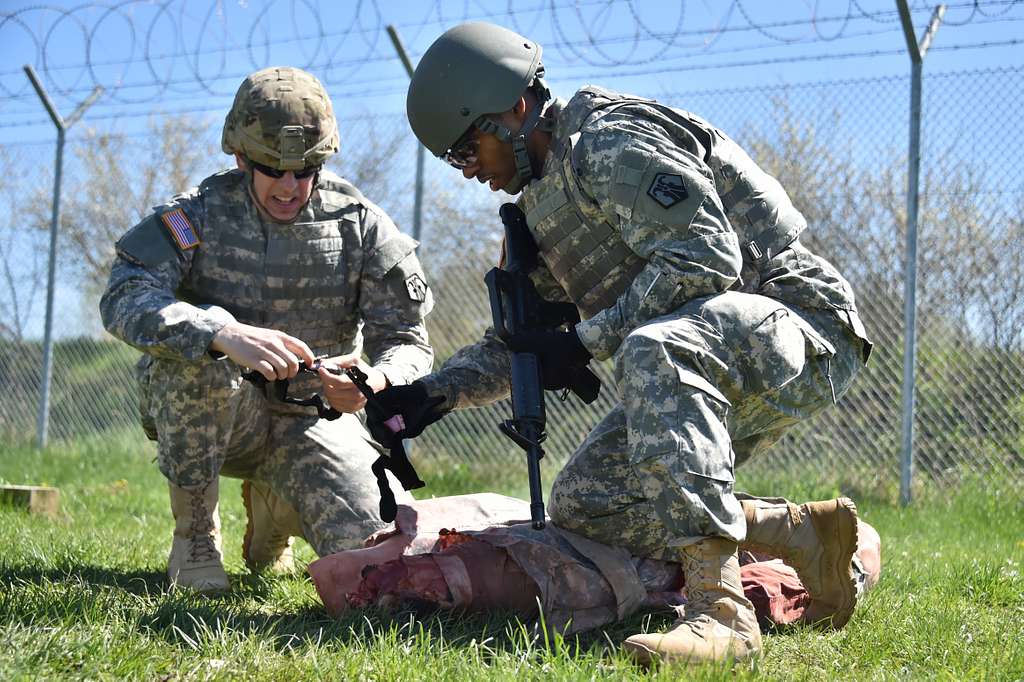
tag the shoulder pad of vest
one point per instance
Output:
(228, 176)
(337, 192)
(584, 100)
(390, 253)
(596, 91)
(149, 243)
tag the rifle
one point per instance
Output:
(517, 307)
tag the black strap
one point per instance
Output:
(397, 461)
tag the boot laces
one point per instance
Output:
(202, 546)
(697, 602)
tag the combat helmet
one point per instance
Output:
(282, 118)
(473, 70)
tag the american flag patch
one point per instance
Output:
(181, 229)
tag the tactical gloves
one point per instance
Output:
(413, 408)
(561, 355)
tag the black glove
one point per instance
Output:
(561, 355)
(411, 403)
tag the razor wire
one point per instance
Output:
(142, 51)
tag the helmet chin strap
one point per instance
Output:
(524, 166)
(249, 181)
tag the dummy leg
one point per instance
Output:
(472, 575)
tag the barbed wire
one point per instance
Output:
(349, 118)
(176, 48)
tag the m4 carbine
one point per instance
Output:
(516, 307)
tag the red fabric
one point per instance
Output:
(778, 596)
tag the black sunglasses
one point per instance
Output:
(464, 152)
(271, 172)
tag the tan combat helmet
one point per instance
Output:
(282, 118)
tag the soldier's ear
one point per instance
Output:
(239, 161)
(519, 110)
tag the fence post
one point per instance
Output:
(417, 207)
(43, 417)
(917, 52)
(417, 202)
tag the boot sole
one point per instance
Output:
(841, 528)
(647, 657)
(640, 654)
(206, 588)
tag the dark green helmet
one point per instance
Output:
(473, 69)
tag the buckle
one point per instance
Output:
(754, 251)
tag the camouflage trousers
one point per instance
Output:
(207, 422)
(701, 390)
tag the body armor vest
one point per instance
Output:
(291, 277)
(585, 252)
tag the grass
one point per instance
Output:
(84, 596)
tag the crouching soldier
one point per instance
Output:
(265, 266)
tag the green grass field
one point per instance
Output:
(85, 597)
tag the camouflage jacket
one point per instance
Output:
(340, 277)
(639, 209)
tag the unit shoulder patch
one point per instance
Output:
(416, 287)
(177, 223)
(668, 189)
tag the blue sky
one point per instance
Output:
(190, 56)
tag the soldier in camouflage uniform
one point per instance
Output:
(265, 266)
(684, 260)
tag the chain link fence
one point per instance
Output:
(838, 147)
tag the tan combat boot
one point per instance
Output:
(817, 539)
(196, 562)
(718, 622)
(270, 524)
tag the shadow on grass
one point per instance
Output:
(135, 582)
(267, 611)
(82, 593)
(81, 588)
(312, 626)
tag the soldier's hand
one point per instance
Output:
(338, 389)
(562, 355)
(554, 348)
(272, 353)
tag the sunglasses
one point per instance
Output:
(270, 172)
(464, 152)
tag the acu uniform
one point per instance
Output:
(341, 277)
(684, 260)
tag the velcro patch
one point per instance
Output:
(668, 189)
(181, 229)
(416, 287)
